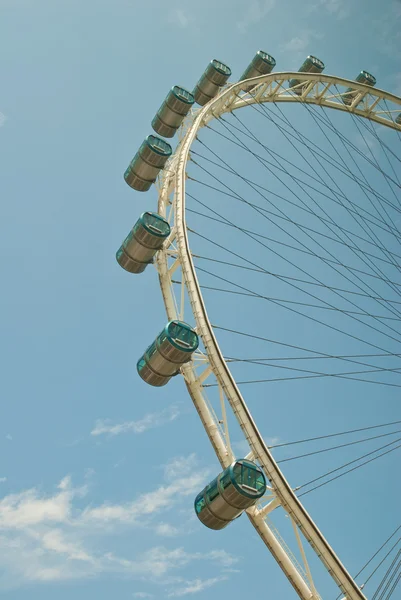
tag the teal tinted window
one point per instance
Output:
(266, 57)
(140, 364)
(156, 224)
(183, 94)
(199, 503)
(162, 337)
(219, 66)
(260, 482)
(183, 335)
(225, 480)
(248, 475)
(159, 145)
(151, 350)
(212, 490)
(365, 77)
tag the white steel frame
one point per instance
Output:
(176, 258)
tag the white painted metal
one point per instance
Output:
(321, 90)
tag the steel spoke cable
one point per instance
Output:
(271, 341)
(259, 107)
(281, 243)
(359, 152)
(311, 111)
(317, 180)
(339, 446)
(389, 576)
(299, 207)
(330, 435)
(389, 112)
(227, 126)
(297, 302)
(340, 194)
(393, 587)
(275, 366)
(383, 559)
(290, 283)
(349, 471)
(317, 149)
(261, 271)
(263, 360)
(374, 556)
(384, 149)
(263, 196)
(307, 316)
(237, 196)
(371, 130)
(346, 465)
(313, 114)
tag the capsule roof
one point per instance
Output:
(159, 145)
(181, 336)
(266, 57)
(368, 76)
(155, 224)
(248, 478)
(316, 61)
(183, 94)
(221, 67)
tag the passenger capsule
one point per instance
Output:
(172, 348)
(398, 119)
(261, 64)
(142, 243)
(363, 77)
(147, 163)
(310, 65)
(215, 76)
(226, 497)
(170, 115)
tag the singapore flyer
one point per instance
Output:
(201, 324)
(229, 196)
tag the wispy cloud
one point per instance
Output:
(3, 479)
(388, 28)
(255, 12)
(335, 8)
(180, 17)
(149, 421)
(195, 586)
(301, 43)
(49, 537)
(3, 119)
(142, 595)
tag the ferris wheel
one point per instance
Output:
(188, 344)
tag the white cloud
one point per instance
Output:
(164, 497)
(3, 479)
(180, 17)
(26, 508)
(149, 421)
(142, 595)
(3, 119)
(47, 537)
(195, 586)
(302, 43)
(336, 8)
(180, 466)
(256, 11)
(166, 530)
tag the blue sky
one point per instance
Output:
(98, 471)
